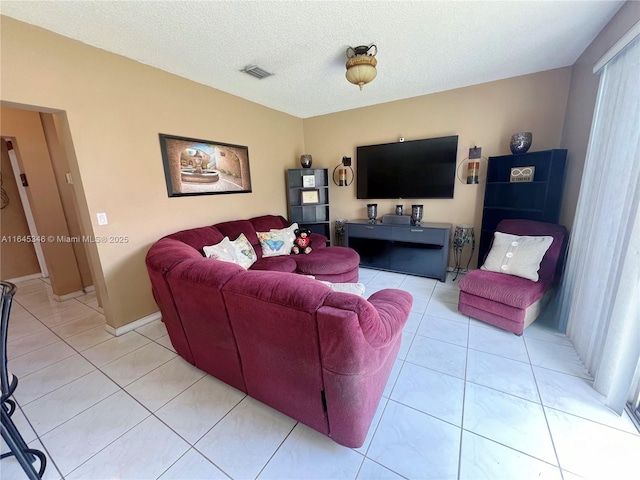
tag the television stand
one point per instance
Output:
(417, 250)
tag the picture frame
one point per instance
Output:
(522, 174)
(203, 167)
(308, 181)
(309, 197)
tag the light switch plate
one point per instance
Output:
(102, 219)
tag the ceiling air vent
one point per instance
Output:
(256, 71)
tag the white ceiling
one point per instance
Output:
(423, 46)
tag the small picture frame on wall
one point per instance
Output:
(309, 197)
(308, 181)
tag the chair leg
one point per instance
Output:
(19, 449)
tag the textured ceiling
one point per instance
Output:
(423, 46)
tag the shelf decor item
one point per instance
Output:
(399, 209)
(416, 214)
(305, 161)
(343, 170)
(372, 212)
(463, 235)
(520, 142)
(309, 196)
(308, 181)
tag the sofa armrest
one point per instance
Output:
(379, 320)
(318, 240)
(393, 308)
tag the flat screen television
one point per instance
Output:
(414, 169)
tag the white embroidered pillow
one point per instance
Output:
(355, 288)
(245, 254)
(224, 251)
(517, 255)
(277, 242)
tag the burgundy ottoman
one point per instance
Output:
(332, 264)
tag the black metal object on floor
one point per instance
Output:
(26, 456)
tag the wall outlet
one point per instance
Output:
(102, 219)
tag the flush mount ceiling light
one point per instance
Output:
(361, 65)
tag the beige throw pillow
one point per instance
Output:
(240, 251)
(517, 255)
(277, 242)
(355, 288)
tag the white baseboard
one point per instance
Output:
(133, 325)
(68, 296)
(89, 289)
(33, 276)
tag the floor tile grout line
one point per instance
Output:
(277, 448)
(110, 443)
(464, 393)
(544, 412)
(39, 439)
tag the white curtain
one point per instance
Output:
(601, 287)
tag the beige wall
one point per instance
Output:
(17, 259)
(30, 146)
(582, 101)
(60, 165)
(112, 110)
(485, 115)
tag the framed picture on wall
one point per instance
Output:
(204, 167)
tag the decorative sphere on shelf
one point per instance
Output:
(305, 161)
(520, 142)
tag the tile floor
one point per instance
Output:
(464, 401)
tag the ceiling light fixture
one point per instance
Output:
(361, 65)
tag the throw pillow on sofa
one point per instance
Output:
(517, 255)
(355, 288)
(277, 242)
(239, 251)
(224, 251)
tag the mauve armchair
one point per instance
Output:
(511, 302)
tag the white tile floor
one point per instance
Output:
(464, 401)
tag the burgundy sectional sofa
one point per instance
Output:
(320, 356)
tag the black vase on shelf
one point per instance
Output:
(520, 142)
(305, 161)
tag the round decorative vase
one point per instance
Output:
(520, 142)
(372, 212)
(305, 161)
(416, 214)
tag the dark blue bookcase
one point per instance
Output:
(506, 197)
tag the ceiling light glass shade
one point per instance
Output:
(361, 66)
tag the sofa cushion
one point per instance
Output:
(283, 263)
(507, 289)
(330, 261)
(198, 237)
(517, 255)
(264, 223)
(277, 242)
